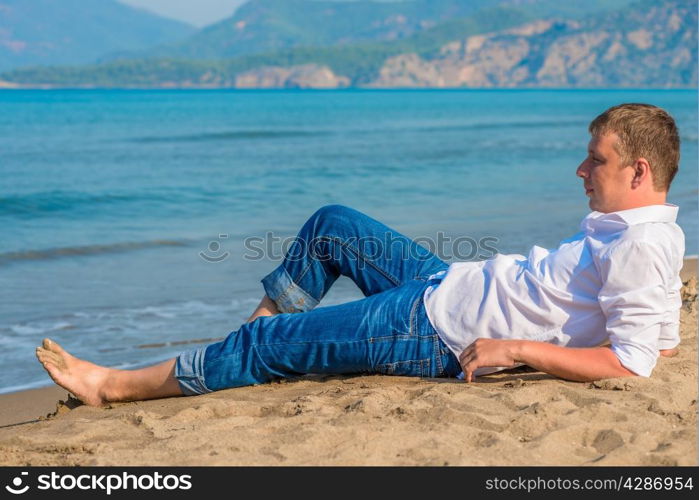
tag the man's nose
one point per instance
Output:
(582, 170)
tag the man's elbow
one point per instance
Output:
(616, 368)
(669, 353)
(623, 362)
(625, 372)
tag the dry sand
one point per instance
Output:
(519, 417)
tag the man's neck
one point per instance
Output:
(655, 198)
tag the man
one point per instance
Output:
(616, 281)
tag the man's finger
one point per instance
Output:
(466, 360)
(469, 368)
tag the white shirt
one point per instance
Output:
(616, 280)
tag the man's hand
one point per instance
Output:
(581, 364)
(487, 352)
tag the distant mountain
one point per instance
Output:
(651, 43)
(264, 26)
(36, 32)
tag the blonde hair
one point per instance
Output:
(644, 131)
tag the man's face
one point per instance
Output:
(606, 181)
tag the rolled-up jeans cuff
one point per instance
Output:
(189, 372)
(287, 295)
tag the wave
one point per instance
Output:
(502, 125)
(140, 319)
(60, 252)
(230, 135)
(41, 328)
(37, 384)
(161, 345)
(80, 203)
(60, 200)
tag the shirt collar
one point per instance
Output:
(617, 221)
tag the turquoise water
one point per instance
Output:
(108, 198)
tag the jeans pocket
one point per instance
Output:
(408, 323)
(416, 321)
(412, 368)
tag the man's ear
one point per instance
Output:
(642, 173)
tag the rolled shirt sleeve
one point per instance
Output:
(670, 333)
(634, 299)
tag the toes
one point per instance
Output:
(41, 354)
(53, 358)
(52, 346)
(48, 356)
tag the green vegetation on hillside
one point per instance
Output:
(360, 62)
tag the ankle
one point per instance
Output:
(269, 305)
(112, 387)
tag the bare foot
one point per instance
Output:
(85, 380)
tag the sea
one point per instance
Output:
(135, 224)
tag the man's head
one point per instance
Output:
(633, 156)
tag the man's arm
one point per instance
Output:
(580, 364)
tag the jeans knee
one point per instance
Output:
(334, 210)
(328, 217)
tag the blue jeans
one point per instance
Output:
(386, 332)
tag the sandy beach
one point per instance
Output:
(519, 417)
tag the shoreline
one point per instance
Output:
(30, 405)
(11, 86)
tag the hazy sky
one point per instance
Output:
(196, 12)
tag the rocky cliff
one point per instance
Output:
(656, 47)
(301, 77)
